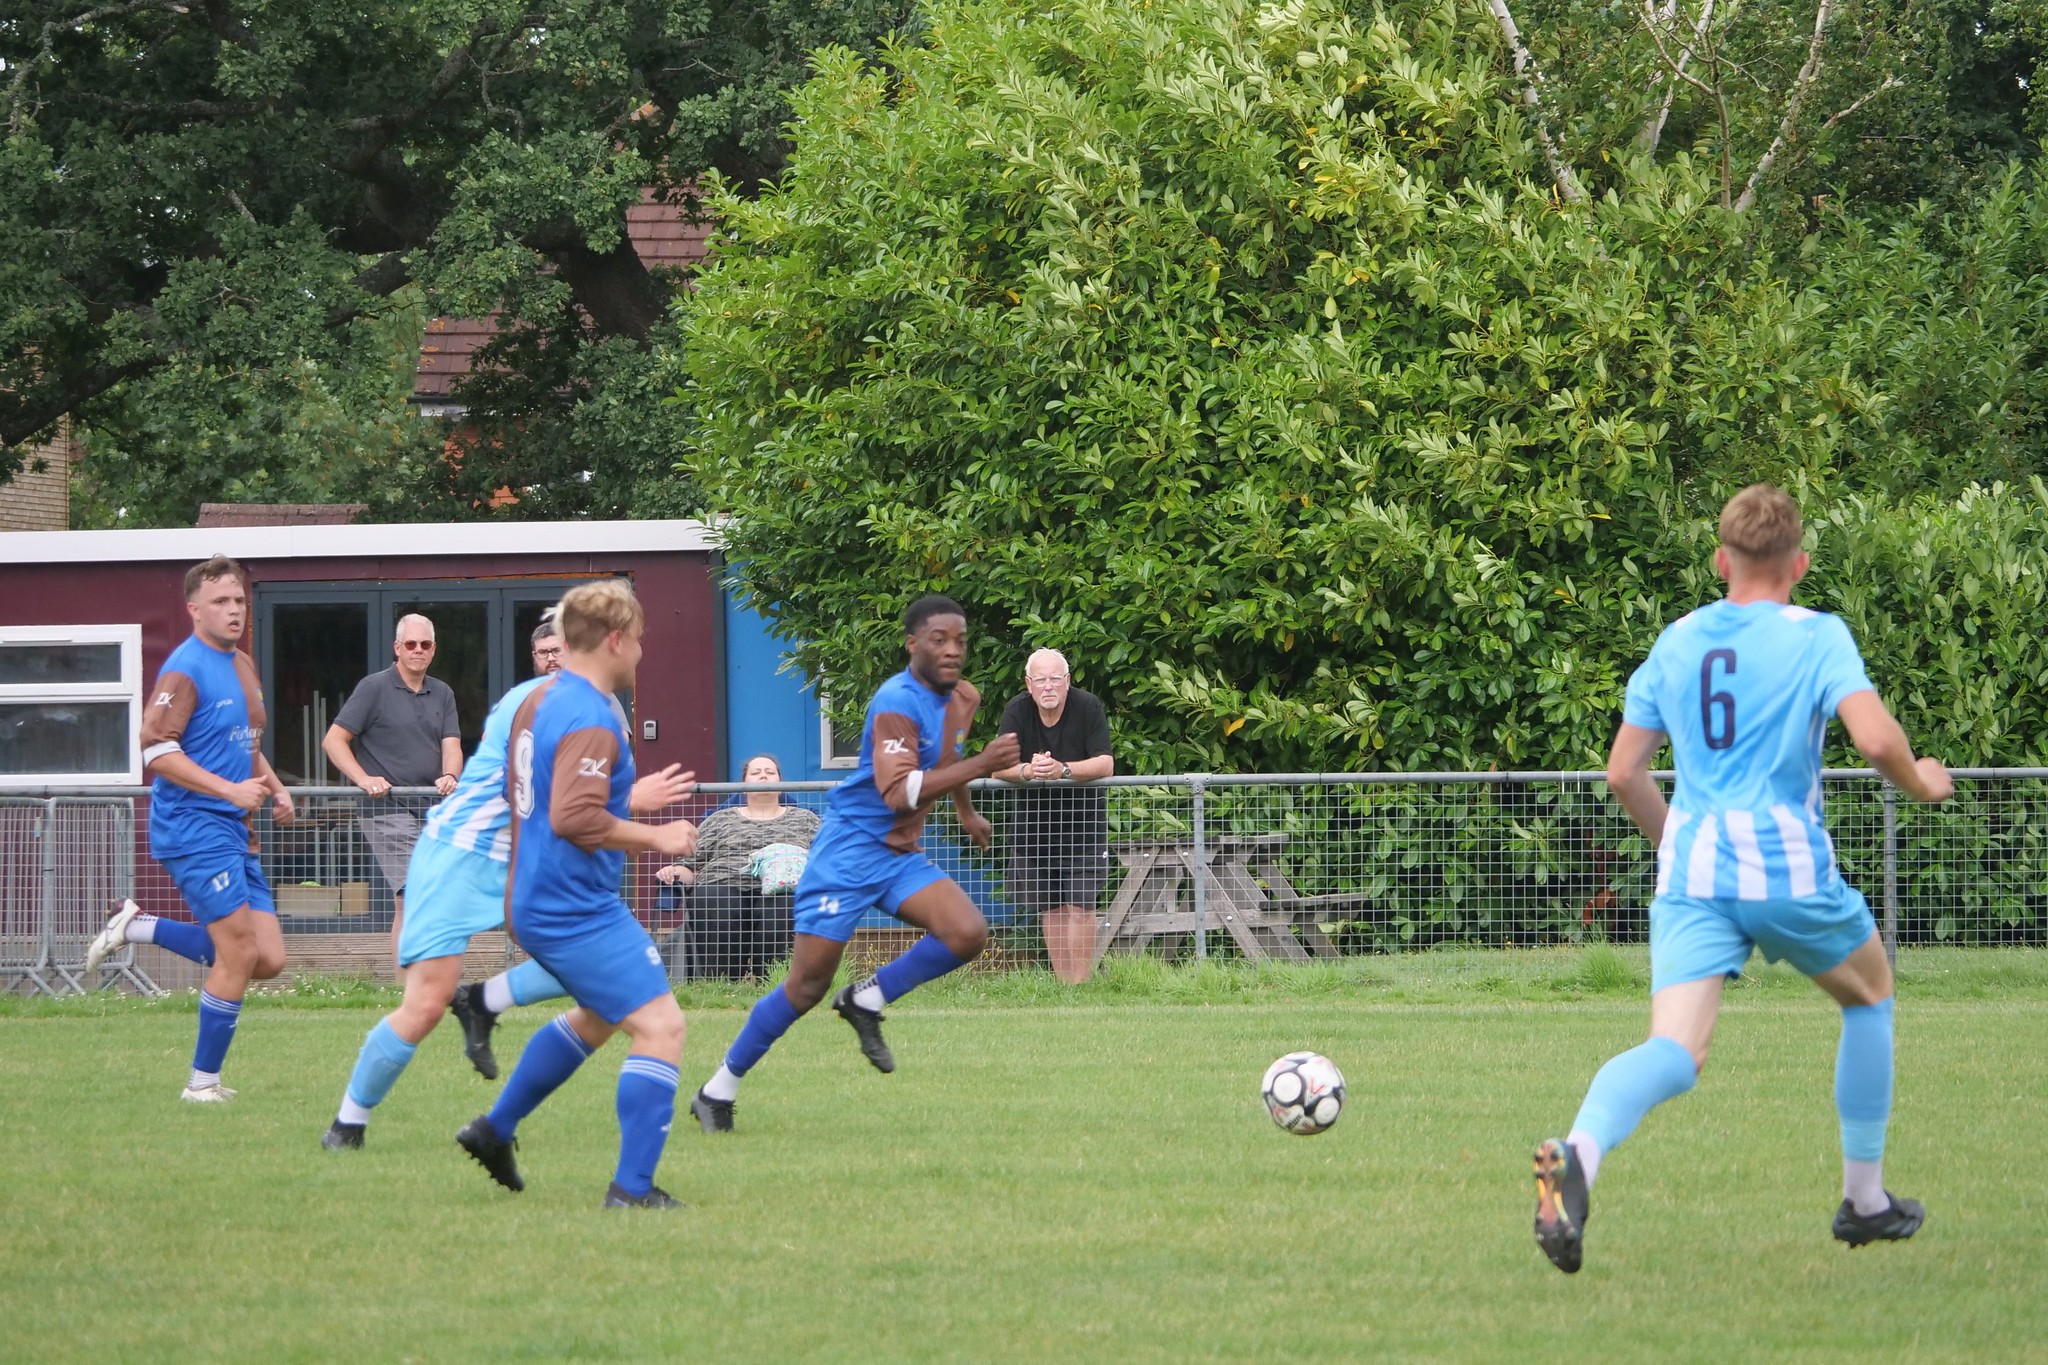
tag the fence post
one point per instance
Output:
(46, 911)
(1891, 875)
(1198, 784)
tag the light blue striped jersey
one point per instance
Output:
(475, 816)
(1745, 694)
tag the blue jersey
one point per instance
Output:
(476, 816)
(570, 774)
(207, 705)
(909, 728)
(1746, 693)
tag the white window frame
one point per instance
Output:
(828, 745)
(128, 689)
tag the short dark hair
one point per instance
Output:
(925, 608)
(220, 566)
(546, 629)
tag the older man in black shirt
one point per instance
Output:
(1060, 841)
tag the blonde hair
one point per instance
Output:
(1761, 522)
(593, 611)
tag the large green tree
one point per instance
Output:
(1255, 356)
(217, 218)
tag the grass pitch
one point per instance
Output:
(1050, 1175)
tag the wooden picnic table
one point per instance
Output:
(1247, 895)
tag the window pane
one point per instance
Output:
(318, 654)
(64, 737)
(49, 661)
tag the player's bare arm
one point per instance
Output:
(1628, 777)
(658, 791)
(1879, 737)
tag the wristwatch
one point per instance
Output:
(1066, 772)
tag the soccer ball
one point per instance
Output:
(1304, 1092)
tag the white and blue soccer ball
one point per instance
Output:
(1304, 1092)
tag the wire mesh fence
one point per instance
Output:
(1290, 867)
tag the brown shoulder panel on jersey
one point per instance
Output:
(581, 789)
(168, 713)
(895, 759)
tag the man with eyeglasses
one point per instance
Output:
(1060, 841)
(398, 729)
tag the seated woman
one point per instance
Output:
(732, 929)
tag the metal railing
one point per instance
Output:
(1291, 866)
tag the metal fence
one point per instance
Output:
(1282, 867)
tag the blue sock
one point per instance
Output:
(647, 1101)
(379, 1064)
(1630, 1086)
(186, 940)
(530, 983)
(551, 1057)
(217, 1018)
(768, 1020)
(928, 959)
(1863, 1079)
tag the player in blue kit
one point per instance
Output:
(570, 784)
(202, 744)
(1743, 689)
(457, 877)
(867, 854)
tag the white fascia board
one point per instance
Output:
(407, 540)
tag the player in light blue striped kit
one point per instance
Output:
(1743, 689)
(457, 880)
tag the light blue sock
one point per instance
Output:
(1630, 1086)
(647, 1102)
(1863, 1079)
(217, 1019)
(531, 983)
(379, 1065)
(928, 959)
(767, 1021)
(551, 1057)
(190, 941)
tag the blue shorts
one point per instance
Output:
(1691, 939)
(455, 894)
(608, 965)
(849, 873)
(215, 885)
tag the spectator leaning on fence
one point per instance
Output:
(1059, 841)
(398, 729)
(739, 895)
(202, 744)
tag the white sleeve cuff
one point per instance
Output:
(913, 787)
(157, 751)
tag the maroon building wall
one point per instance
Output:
(679, 676)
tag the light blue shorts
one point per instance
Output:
(215, 885)
(1691, 939)
(453, 894)
(850, 872)
(608, 964)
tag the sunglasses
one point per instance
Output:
(416, 644)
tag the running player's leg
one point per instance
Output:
(1862, 986)
(129, 924)
(390, 1045)
(955, 933)
(814, 959)
(647, 1101)
(235, 905)
(478, 1004)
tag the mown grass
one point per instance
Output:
(1051, 1174)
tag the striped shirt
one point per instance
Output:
(1745, 694)
(475, 815)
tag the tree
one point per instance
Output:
(214, 210)
(1254, 356)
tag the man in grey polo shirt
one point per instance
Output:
(398, 729)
